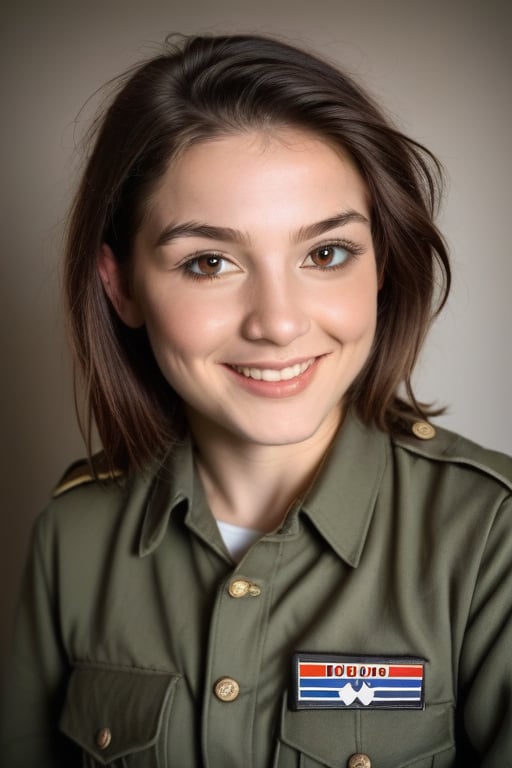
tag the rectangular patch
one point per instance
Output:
(338, 681)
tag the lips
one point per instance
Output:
(274, 374)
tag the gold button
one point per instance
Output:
(226, 689)
(242, 587)
(239, 588)
(103, 738)
(423, 430)
(359, 761)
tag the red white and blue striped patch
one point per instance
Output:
(334, 681)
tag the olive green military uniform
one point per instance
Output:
(140, 643)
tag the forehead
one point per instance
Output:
(255, 174)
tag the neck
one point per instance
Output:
(254, 485)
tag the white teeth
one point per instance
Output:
(272, 374)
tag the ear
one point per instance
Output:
(113, 277)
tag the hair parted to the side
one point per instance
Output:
(205, 87)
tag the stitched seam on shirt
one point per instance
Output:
(105, 665)
(459, 461)
(359, 734)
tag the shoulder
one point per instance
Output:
(84, 472)
(433, 445)
(91, 508)
(87, 494)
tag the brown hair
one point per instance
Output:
(209, 86)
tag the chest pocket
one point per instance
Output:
(389, 738)
(117, 716)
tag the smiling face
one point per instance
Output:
(255, 275)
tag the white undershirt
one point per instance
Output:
(237, 539)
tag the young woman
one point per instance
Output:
(276, 560)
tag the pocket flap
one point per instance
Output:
(393, 738)
(111, 712)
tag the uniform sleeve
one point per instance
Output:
(37, 670)
(486, 662)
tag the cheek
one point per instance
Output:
(184, 326)
(353, 315)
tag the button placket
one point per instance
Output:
(237, 638)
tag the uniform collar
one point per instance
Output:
(342, 501)
(172, 486)
(340, 504)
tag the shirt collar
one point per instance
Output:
(340, 503)
(172, 486)
(342, 500)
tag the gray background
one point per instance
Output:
(441, 68)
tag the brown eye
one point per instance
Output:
(322, 257)
(328, 256)
(207, 265)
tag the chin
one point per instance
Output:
(286, 434)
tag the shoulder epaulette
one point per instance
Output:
(443, 445)
(81, 473)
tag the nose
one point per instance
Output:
(276, 310)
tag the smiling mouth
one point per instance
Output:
(272, 374)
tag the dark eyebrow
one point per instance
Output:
(319, 227)
(195, 229)
(229, 235)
